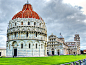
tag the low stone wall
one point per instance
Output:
(79, 62)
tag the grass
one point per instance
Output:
(51, 60)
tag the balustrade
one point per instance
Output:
(18, 38)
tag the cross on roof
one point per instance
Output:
(27, 1)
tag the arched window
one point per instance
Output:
(29, 45)
(40, 24)
(34, 23)
(50, 39)
(28, 23)
(15, 24)
(21, 46)
(36, 46)
(21, 23)
(36, 34)
(7, 44)
(15, 34)
(27, 34)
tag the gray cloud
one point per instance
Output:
(59, 17)
(2, 41)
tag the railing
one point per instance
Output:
(56, 41)
(52, 37)
(30, 26)
(26, 38)
(52, 41)
(41, 31)
(53, 44)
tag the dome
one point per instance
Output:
(60, 36)
(27, 12)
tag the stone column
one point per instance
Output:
(20, 34)
(45, 49)
(39, 49)
(23, 34)
(33, 35)
(32, 50)
(30, 35)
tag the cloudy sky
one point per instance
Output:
(65, 16)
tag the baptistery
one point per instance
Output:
(26, 34)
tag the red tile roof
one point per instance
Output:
(27, 12)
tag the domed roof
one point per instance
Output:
(27, 12)
(60, 36)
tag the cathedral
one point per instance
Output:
(26, 34)
(58, 46)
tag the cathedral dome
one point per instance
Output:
(60, 36)
(27, 12)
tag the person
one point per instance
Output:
(13, 56)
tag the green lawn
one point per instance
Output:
(51, 60)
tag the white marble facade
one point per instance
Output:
(58, 46)
(55, 45)
(29, 48)
(26, 37)
(26, 34)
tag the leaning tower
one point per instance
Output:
(26, 34)
(77, 40)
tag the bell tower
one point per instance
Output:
(76, 38)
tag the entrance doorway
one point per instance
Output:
(0, 53)
(74, 52)
(48, 53)
(58, 52)
(15, 52)
(52, 52)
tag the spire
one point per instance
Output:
(60, 33)
(60, 36)
(27, 1)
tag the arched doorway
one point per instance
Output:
(0, 53)
(74, 53)
(58, 52)
(52, 51)
(15, 52)
(14, 45)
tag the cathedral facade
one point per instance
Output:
(26, 34)
(58, 46)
